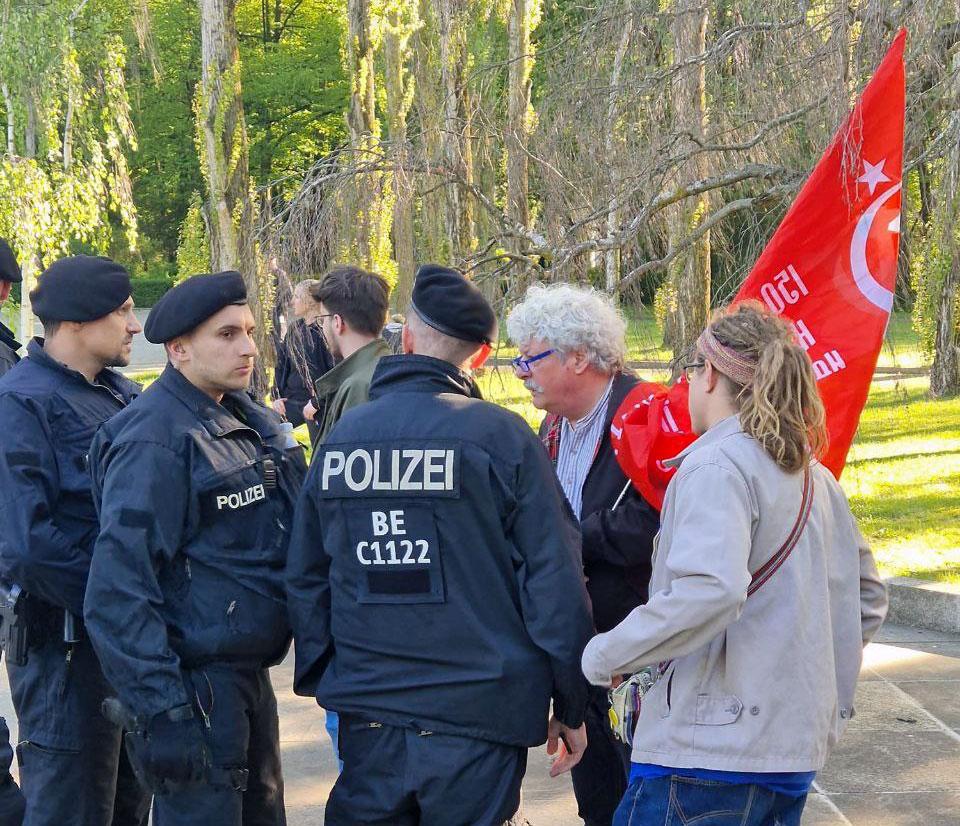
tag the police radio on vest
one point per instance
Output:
(413, 469)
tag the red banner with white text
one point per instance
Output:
(830, 268)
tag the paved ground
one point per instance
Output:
(898, 764)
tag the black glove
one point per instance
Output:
(173, 748)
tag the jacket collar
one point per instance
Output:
(330, 381)
(7, 337)
(725, 427)
(218, 419)
(623, 383)
(420, 374)
(108, 379)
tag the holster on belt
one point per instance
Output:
(14, 636)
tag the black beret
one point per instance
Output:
(191, 303)
(80, 288)
(9, 268)
(451, 304)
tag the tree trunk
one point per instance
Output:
(455, 134)
(399, 86)
(612, 257)
(522, 13)
(689, 276)
(361, 116)
(11, 131)
(945, 372)
(367, 207)
(428, 102)
(225, 162)
(30, 134)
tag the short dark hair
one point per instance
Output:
(359, 297)
(50, 327)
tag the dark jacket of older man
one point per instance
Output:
(617, 543)
(617, 551)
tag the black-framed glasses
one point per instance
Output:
(688, 367)
(522, 364)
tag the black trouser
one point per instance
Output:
(69, 755)
(245, 784)
(401, 777)
(600, 778)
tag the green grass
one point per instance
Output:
(903, 480)
(903, 471)
(645, 342)
(902, 474)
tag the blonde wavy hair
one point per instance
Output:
(780, 407)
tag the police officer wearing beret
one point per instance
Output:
(50, 406)
(185, 603)
(11, 799)
(435, 585)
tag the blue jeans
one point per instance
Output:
(673, 801)
(333, 729)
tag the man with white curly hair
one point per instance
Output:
(572, 360)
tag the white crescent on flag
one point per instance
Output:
(872, 290)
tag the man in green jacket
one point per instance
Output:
(353, 310)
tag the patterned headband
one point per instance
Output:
(727, 360)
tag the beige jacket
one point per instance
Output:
(758, 685)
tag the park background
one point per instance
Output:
(647, 148)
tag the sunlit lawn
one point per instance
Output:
(903, 472)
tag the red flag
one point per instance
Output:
(652, 424)
(831, 265)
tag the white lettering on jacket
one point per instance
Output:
(402, 469)
(241, 498)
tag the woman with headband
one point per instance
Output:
(762, 596)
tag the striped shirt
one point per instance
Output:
(578, 447)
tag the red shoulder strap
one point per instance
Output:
(769, 568)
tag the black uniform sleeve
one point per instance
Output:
(553, 595)
(308, 591)
(36, 554)
(143, 491)
(623, 536)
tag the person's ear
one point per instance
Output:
(579, 362)
(5, 287)
(711, 377)
(407, 340)
(177, 352)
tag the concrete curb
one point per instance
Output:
(917, 602)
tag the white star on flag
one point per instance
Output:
(872, 174)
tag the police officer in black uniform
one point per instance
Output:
(185, 605)
(50, 406)
(11, 799)
(435, 585)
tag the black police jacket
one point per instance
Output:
(8, 349)
(434, 576)
(617, 543)
(196, 500)
(48, 416)
(301, 360)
